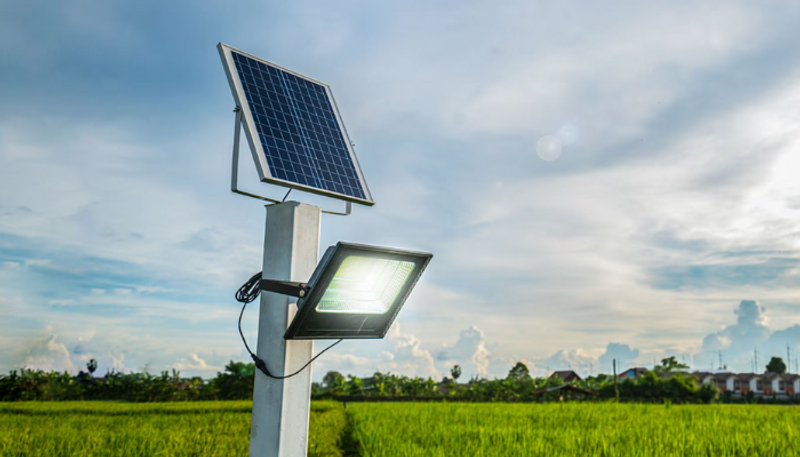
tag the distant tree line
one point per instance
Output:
(236, 383)
(517, 386)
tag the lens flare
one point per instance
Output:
(568, 134)
(548, 148)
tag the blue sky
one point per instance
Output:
(668, 224)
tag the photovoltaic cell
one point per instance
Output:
(297, 127)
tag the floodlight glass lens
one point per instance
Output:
(365, 285)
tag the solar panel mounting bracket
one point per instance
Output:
(235, 170)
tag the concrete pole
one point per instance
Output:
(281, 406)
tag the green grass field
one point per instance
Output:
(201, 429)
(419, 429)
(405, 429)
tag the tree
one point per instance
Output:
(519, 372)
(332, 379)
(91, 365)
(776, 365)
(670, 365)
(236, 382)
(456, 372)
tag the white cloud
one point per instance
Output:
(407, 354)
(586, 250)
(150, 289)
(38, 263)
(348, 363)
(623, 354)
(482, 79)
(118, 363)
(581, 361)
(49, 355)
(469, 352)
(399, 353)
(738, 343)
(9, 306)
(161, 226)
(195, 364)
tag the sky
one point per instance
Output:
(596, 181)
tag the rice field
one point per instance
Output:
(101, 429)
(424, 429)
(405, 429)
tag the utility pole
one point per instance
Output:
(616, 390)
(788, 359)
(755, 358)
(281, 406)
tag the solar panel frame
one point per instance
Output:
(256, 147)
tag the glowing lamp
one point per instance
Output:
(356, 291)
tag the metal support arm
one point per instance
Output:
(294, 289)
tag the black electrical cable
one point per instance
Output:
(246, 294)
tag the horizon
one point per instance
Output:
(595, 182)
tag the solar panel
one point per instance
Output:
(294, 129)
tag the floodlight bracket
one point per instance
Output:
(235, 170)
(294, 289)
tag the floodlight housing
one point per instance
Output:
(355, 292)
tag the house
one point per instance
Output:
(751, 382)
(778, 384)
(732, 382)
(566, 376)
(705, 377)
(566, 392)
(758, 384)
(727, 382)
(792, 384)
(632, 373)
(724, 380)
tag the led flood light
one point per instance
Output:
(355, 292)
